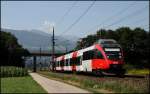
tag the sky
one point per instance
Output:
(85, 16)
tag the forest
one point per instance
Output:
(12, 52)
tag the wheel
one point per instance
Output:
(121, 73)
(99, 73)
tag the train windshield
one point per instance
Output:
(113, 53)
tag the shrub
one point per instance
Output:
(11, 71)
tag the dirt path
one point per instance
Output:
(52, 86)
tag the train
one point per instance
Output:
(104, 56)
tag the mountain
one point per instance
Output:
(34, 39)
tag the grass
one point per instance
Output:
(138, 71)
(102, 85)
(20, 85)
(131, 69)
(12, 71)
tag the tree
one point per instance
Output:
(11, 51)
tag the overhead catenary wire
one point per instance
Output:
(118, 21)
(138, 21)
(66, 13)
(79, 18)
(144, 25)
(147, 28)
(130, 15)
(113, 16)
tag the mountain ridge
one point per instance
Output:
(34, 39)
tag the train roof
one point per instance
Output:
(102, 42)
(108, 43)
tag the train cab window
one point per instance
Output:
(99, 54)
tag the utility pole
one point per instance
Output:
(34, 63)
(66, 45)
(40, 60)
(53, 50)
(66, 48)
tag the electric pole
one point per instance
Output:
(66, 45)
(40, 60)
(66, 48)
(53, 50)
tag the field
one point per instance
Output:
(104, 84)
(20, 85)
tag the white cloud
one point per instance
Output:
(47, 26)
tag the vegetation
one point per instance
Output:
(11, 71)
(135, 44)
(104, 84)
(20, 85)
(139, 71)
(11, 51)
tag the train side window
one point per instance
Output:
(78, 60)
(75, 61)
(56, 63)
(88, 55)
(66, 62)
(69, 62)
(81, 60)
(62, 62)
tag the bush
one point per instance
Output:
(10, 71)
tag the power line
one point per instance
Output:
(144, 25)
(62, 18)
(130, 15)
(141, 20)
(147, 28)
(113, 16)
(79, 17)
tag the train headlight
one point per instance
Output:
(115, 62)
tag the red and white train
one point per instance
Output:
(105, 55)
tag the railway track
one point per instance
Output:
(106, 75)
(136, 82)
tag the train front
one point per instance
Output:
(114, 56)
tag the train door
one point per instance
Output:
(87, 60)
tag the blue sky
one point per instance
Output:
(40, 15)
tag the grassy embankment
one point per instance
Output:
(17, 80)
(101, 85)
(138, 71)
(131, 69)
